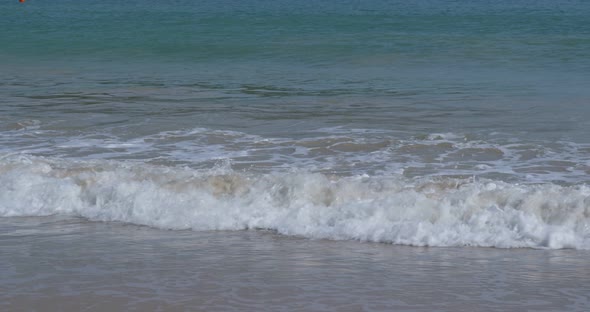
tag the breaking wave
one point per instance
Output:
(426, 211)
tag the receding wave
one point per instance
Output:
(389, 209)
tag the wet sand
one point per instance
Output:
(57, 264)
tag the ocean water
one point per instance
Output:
(422, 123)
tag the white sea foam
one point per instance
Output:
(389, 209)
(328, 150)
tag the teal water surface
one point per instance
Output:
(499, 72)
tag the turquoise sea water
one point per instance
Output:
(442, 66)
(385, 121)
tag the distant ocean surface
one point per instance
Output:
(422, 123)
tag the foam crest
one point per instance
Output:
(389, 209)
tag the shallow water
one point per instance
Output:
(74, 265)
